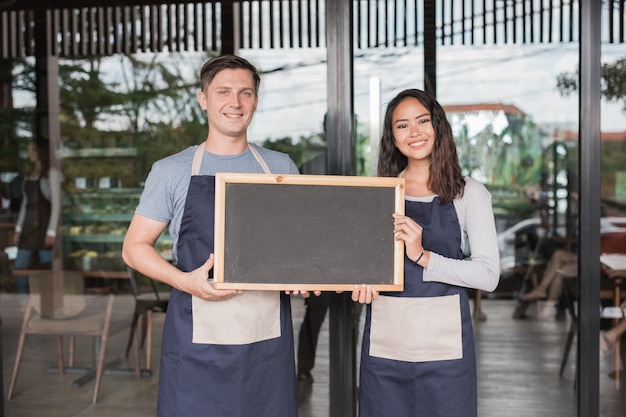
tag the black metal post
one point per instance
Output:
(229, 28)
(341, 160)
(430, 47)
(589, 209)
(1, 373)
(341, 131)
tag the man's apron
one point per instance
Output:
(232, 358)
(418, 348)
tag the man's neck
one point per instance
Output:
(226, 145)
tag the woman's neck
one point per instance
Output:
(36, 171)
(418, 170)
(416, 180)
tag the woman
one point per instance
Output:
(38, 218)
(418, 350)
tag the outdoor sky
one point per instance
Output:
(293, 100)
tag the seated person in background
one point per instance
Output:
(609, 339)
(562, 263)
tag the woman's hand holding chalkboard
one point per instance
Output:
(197, 283)
(364, 294)
(410, 232)
(303, 293)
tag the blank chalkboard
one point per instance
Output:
(307, 232)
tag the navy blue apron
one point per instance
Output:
(434, 374)
(219, 380)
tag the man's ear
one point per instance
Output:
(202, 99)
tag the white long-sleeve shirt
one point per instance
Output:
(482, 269)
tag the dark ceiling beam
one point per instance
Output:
(79, 4)
(6, 3)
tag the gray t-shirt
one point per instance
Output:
(163, 198)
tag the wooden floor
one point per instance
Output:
(518, 362)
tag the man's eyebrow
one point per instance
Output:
(227, 87)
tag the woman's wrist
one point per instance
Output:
(419, 258)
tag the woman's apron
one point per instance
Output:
(37, 216)
(231, 358)
(418, 348)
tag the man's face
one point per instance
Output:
(230, 102)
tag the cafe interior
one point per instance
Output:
(84, 339)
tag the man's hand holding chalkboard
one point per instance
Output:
(197, 283)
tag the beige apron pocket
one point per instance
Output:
(416, 329)
(250, 317)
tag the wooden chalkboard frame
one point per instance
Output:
(238, 195)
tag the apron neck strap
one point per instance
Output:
(197, 159)
(259, 159)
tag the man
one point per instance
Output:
(224, 352)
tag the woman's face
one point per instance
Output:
(33, 155)
(413, 130)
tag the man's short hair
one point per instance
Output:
(216, 64)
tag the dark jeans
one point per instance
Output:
(315, 313)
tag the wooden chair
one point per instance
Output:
(146, 303)
(58, 306)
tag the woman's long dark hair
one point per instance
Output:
(445, 177)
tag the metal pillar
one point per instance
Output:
(230, 28)
(589, 209)
(1, 373)
(430, 47)
(341, 160)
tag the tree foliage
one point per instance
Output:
(148, 104)
(85, 96)
(311, 147)
(157, 91)
(613, 82)
(15, 123)
(613, 89)
(498, 148)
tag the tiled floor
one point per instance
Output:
(518, 371)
